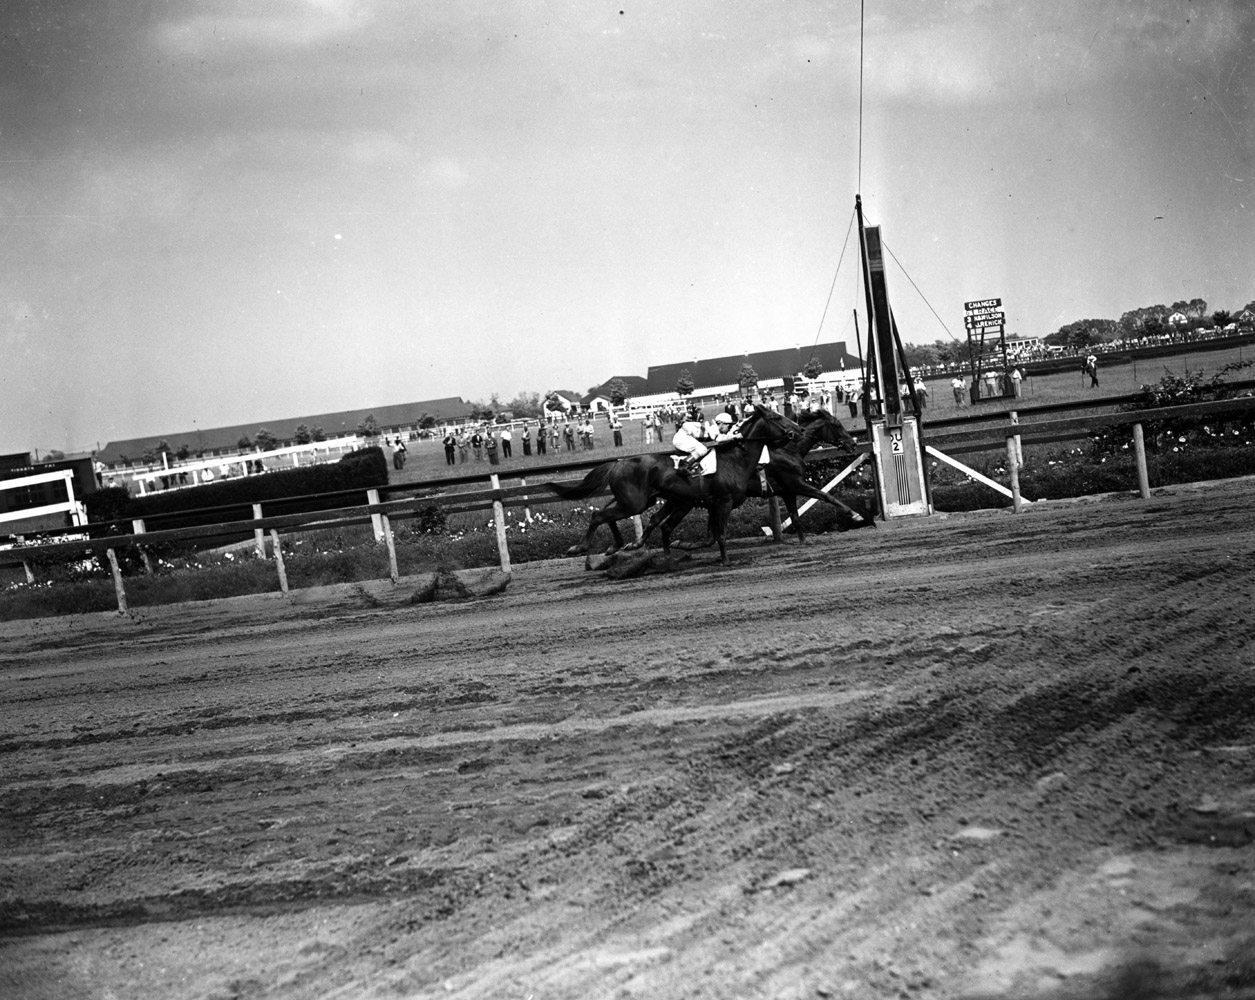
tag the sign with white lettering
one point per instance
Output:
(976, 322)
(982, 304)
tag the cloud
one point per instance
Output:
(19, 320)
(371, 148)
(448, 173)
(276, 24)
(1000, 52)
(944, 64)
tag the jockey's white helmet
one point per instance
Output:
(723, 418)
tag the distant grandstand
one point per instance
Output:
(397, 419)
(710, 375)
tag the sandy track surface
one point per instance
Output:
(979, 754)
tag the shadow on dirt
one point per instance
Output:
(1229, 976)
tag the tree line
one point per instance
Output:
(1145, 321)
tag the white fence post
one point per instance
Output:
(1143, 477)
(283, 570)
(1014, 466)
(392, 548)
(372, 498)
(26, 563)
(117, 580)
(498, 516)
(137, 527)
(259, 534)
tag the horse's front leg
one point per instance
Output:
(805, 489)
(790, 505)
(720, 513)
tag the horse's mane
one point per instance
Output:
(777, 418)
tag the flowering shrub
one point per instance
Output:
(1178, 434)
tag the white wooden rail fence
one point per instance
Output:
(382, 514)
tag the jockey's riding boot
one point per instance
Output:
(693, 467)
(762, 481)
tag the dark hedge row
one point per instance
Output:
(289, 491)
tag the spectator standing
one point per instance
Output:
(477, 445)
(507, 441)
(527, 439)
(450, 443)
(568, 435)
(1016, 377)
(616, 428)
(959, 388)
(464, 446)
(541, 437)
(1091, 369)
(554, 436)
(490, 446)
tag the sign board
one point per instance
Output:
(976, 322)
(981, 304)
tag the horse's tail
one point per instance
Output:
(595, 480)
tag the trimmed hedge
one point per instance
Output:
(363, 469)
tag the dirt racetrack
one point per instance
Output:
(979, 754)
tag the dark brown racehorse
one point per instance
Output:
(637, 482)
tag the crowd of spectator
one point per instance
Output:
(1046, 352)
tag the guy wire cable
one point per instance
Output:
(844, 246)
(918, 289)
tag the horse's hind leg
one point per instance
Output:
(666, 516)
(618, 536)
(607, 515)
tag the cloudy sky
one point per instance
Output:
(230, 211)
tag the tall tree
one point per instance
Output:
(684, 385)
(617, 390)
(746, 378)
(526, 404)
(302, 435)
(266, 441)
(814, 368)
(369, 427)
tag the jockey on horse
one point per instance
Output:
(688, 439)
(701, 460)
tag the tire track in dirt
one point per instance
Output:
(561, 806)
